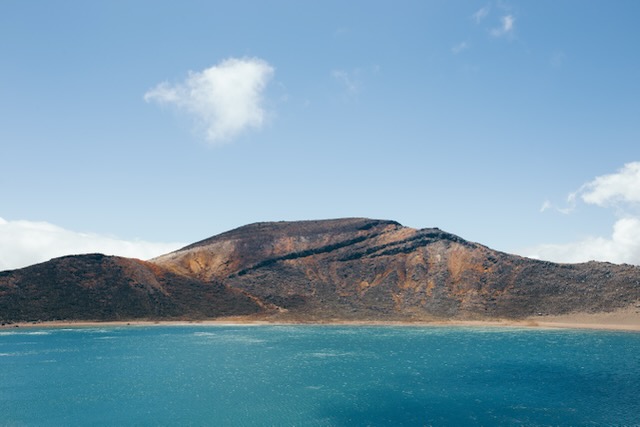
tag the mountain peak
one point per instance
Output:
(307, 228)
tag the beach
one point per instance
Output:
(627, 319)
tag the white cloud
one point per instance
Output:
(620, 187)
(506, 27)
(622, 247)
(24, 243)
(620, 190)
(225, 99)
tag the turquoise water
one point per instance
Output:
(318, 376)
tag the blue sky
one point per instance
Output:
(135, 127)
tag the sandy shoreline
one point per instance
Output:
(621, 320)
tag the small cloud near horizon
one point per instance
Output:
(225, 99)
(619, 190)
(24, 243)
(623, 246)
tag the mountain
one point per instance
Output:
(343, 269)
(360, 268)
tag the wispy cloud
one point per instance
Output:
(619, 190)
(225, 99)
(506, 28)
(456, 49)
(566, 210)
(349, 80)
(546, 205)
(23, 243)
(480, 14)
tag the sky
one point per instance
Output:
(134, 128)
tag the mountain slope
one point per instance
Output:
(98, 287)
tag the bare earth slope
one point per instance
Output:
(362, 269)
(98, 287)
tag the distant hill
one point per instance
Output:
(98, 287)
(344, 269)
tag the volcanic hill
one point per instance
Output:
(344, 269)
(102, 288)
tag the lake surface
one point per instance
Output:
(318, 376)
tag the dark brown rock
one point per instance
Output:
(98, 287)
